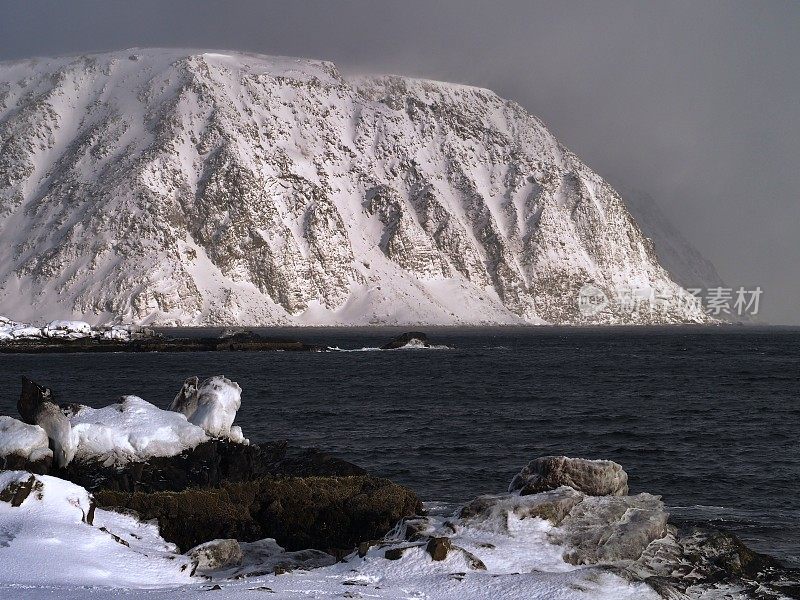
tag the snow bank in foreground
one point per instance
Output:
(47, 540)
(28, 441)
(53, 547)
(132, 430)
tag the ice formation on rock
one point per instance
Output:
(211, 405)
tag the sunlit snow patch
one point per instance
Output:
(132, 430)
(49, 535)
(27, 441)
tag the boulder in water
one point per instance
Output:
(592, 477)
(410, 339)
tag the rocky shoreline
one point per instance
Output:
(227, 510)
(244, 341)
(77, 336)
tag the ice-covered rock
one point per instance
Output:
(122, 333)
(229, 559)
(211, 405)
(11, 330)
(216, 554)
(25, 332)
(592, 477)
(493, 511)
(36, 407)
(6, 327)
(132, 430)
(23, 444)
(611, 529)
(51, 534)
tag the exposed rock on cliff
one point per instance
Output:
(194, 188)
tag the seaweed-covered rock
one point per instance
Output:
(325, 513)
(209, 464)
(592, 477)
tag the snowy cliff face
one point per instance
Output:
(179, 187)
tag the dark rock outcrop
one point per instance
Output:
(592, 477)
(410, 338)
(15, 493)
(325, 513)
(438, 547)
(244, 341)
(210, 464)
(15, 462)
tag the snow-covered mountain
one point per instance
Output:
(183, 187)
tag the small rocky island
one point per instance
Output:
(180, 496)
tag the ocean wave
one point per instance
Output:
(404, 348)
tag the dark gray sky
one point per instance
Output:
(695, 102)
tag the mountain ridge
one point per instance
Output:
(179, 187)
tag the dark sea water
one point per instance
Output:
(708, 418)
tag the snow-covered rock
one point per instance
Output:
(188, 187)
(220, 560)
(216, 554)
(25, 332)
(211, 405)
(26, 441)
(558, 544)
(121, 333)
(51, 535)
(130, 431)
(67, 329)
(64, 330)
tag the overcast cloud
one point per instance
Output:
(697, 103)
